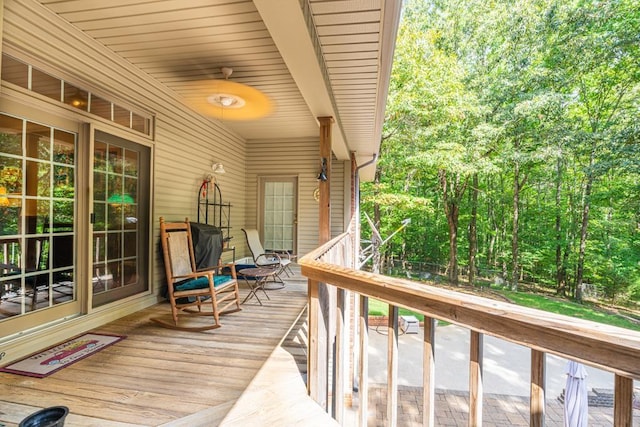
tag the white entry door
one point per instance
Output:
(278, 213)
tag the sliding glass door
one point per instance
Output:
(120, 218)
(38, 233)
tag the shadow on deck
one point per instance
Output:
(163, 377)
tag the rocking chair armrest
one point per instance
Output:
(232, 269)
(195, 274)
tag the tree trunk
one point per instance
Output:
(561, 279)
(586, 205)
(514, 236)
(473, 230)
(451, 197)
(452, 219)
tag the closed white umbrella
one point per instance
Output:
(576, 399)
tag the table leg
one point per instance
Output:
(258, 285)
(263, 280)
(252, 291)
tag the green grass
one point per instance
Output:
(569, 308)
(379, 308)
(541, 302)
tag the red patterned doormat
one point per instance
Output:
(46, 362)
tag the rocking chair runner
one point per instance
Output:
(189, 288)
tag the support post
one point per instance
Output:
(325, 296)
(324, 226)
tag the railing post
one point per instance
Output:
(429, 369)
(475, 379)
(317, 371)
(538, 386)
(392, 366)
(363, 372)
(623, 402)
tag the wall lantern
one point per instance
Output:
(322, 176)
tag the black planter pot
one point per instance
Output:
(47, 417)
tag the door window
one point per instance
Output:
(37, 211)
(279, 213)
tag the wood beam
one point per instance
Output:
(324, 228)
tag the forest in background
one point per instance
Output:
(512, 142)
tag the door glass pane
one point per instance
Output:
(38, 140)
(120, 239)
(10, 135)
(278, 215)
(37, 178)
(63, 147)
(37, 207)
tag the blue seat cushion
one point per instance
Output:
(201, 283)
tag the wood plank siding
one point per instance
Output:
(301, 159)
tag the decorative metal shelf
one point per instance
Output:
(213, 211)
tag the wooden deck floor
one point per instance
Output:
(158, 376)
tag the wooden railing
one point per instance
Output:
(331, 272)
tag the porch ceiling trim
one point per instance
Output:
(292, 29)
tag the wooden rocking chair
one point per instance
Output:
(190, 290)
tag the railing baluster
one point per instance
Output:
(623, 402)
(475, 379)
(363, 373)
(538, 387)
(339, 361)
(429, 369)
(392, 367)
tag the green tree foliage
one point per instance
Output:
(512, 136)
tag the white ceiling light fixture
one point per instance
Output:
(217, 168)
(228, 100)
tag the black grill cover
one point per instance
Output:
(207, 244)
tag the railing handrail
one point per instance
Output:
(607, 347)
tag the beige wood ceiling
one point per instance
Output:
(338, 65)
